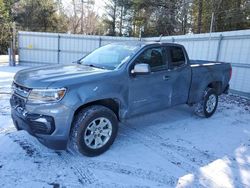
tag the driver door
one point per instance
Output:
(152, 91)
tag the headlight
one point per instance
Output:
(39, 96)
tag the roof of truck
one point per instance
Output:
(146, 43)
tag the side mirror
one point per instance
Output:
(141, 68)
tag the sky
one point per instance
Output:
(99, 5)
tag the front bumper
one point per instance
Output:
(50, 124)
(33, 123)
(43, 131)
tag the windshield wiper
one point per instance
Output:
(95, 66)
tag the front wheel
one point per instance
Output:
(208, 105)
(94, 130)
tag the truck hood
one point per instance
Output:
(42, 77)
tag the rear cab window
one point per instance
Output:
(177, 57)
(155, 57)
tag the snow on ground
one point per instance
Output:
(171, 148)
(5, 58)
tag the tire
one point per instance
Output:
(208, 105)
(89, 126)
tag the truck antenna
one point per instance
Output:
(159, 38)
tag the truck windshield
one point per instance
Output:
(109, 56)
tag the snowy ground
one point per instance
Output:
(5, 58)
(172, 148)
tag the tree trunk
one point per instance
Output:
(114, 19)
(200, 4)
(121, 20)
(75, 17)
(184, 21)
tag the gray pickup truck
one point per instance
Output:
(79, 106)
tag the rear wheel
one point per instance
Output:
(94, 130)
(208, 105)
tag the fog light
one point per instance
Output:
(41, 124)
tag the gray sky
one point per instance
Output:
(99, 5)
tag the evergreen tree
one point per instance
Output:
(5, 29)
(37, 15)
(228, 15)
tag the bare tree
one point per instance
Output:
(200, 8)
(74, 20)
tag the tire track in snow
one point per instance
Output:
(85, 176)
(185, 148)
(151, 141)
(81, 167)
(156, 144)
(115, 167)
(161, 178)
(176, 154)
(25, 145)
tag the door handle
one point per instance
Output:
(166, 77)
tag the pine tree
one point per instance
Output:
(37, 15)
(5, 29)
(228, 15)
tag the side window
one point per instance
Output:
(155, 57)
(177, 57)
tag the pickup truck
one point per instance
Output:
(78, 106)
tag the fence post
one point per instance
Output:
(58, 49)
(10, 56)
(17, 50)
(14, 44)
(173, 40)
(218, 48)
(100, 41)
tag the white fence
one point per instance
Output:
(36, 48)
(234, 47)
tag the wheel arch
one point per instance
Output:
(217, 86)
(112, 104)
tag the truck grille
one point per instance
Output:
(19, 95)
(20, 90)
(17, 101)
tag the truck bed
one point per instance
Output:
(206, 72)
(195, 63)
